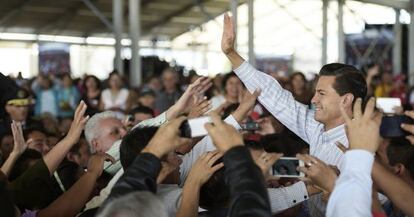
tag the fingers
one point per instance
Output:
(408, 127)
(177, 122)
(369, 109)
(214, 157)
(215, 118)
(409, 114)
(411, 139)
(357, 108)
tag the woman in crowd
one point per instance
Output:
(232, 91)
(92, 94)
(114, 98)
(68, 97)
(299, 88)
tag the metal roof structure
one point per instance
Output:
(159, 18)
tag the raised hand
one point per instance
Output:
(266, 160)
(224, 135)
(96, 162)
(317, 172)
(167, 138)
(183, 105)
(204, 168)
(228, 38)
(78, 124)
(20, 144)
(363, 129)
(246, 105)
(199, 108)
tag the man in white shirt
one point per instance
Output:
(338, 85)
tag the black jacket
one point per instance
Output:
(247, 190)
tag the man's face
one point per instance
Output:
(147, 100)
(110, 130)
(169, 80)
(17, 113)
(141, 117)
(327, 102)
(38, 141)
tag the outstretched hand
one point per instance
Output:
(167, 138)
(363, 129)
(204, 167)
(78, 124)
(194, 90)
(224, 135)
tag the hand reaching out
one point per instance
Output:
(197, 88)
(363, 129)
(266, 160)
(317, 172)
(224, 135)
(167, 138)
(199, 108)
(20, 144)
(409, 127)
(78, 124)
(204, 167)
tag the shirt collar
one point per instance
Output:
(334, 134)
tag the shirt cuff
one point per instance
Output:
(244, 71)
(230, 120)
(360, 161)
(286, 197)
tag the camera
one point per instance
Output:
(286, 167)
(250, 126)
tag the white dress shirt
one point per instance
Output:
(300, 120)
(352, 195)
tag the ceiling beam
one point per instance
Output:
(390, 3)
(12, 13)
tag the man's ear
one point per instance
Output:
(7, 107)
(95, 145)
(399, 169)
(347, 100)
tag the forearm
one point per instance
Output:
(57, 154)
(190, 198)
(235, 59)
(172, 112)
(396, 189)
(241, 113)
(65, 205)
(8, 165)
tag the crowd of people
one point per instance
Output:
(86, 147)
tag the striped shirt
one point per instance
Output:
(300, 120)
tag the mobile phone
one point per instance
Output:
(194, 127)
(286, 167)
(391, 126)
(387, 104)
(250, 126)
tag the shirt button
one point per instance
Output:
(305, 196)
(294, 201)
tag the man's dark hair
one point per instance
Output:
(348, 79)
(133, 143)
(142, 109)
(30, 130)
(401, 151)
(215, 193)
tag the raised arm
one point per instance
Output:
(65, 205)
(58, 153)
(278, 101)
(18, 148)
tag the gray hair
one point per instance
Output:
(141, 204)
(92, 127)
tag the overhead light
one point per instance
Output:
(18, 36)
